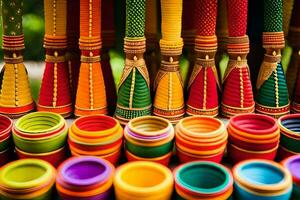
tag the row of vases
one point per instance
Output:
(91, 178)
(43, 135)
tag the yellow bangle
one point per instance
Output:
(135, 179)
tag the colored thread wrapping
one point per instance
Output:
(15, 95)
(168, 85)
(204, 80)
(237, 89)
(91, 96)
(272, 93)
(55, 94)
(134, 98)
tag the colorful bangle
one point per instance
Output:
(281, 180)
(44, 172)
(135, 179)
(206, 168)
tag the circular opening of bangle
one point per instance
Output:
(200, 125)
(95, 123)
(260, 124)
(143, 178)
(38, 122)
(203, 177)
(260, 174)
(85, 171)
(149, 125)
(26, 173)
(290, 123)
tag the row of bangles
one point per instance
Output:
(78, 76)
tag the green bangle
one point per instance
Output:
(149, 152)
(25, 174)
(43, 145)
(56, 119)
(186, 176)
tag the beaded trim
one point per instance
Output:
(172, 115)
(238, 45)
(90, 59)
(271, 111)
(135, 45)
(13, 43)
(55, 59)
(206, 44)
(273, 40)
(229, 111)
(169, 113)
(171, 48)
(169, 66)
(207, 112)
(13, 60)
(125, 114)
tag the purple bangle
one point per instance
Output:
(293, 165)
(85, 171)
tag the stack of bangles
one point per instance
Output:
(200, 138)
(252, 136)
(96, 135)
(27, 179)
(289, 136)
(5, 139)
(143, 180)
(85, 177)
(149, 138)
(293, 164)
(41, 135)
(261, 179)
(203, 180)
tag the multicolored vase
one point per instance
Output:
(134, 97)
(272, 93)
(55, 94)
(15, 95)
